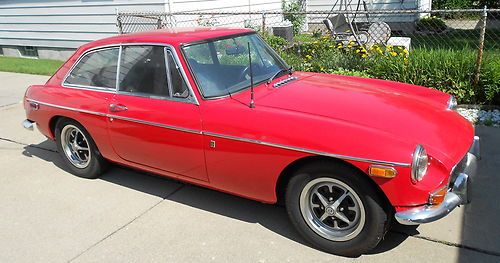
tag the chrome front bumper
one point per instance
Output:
(29, 125)
(459, 192)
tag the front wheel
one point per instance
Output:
(78, 149)
(335, 209)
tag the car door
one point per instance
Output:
(89, 87)
(154, 119)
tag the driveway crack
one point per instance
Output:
(128, 223)
(25, 144)
(450, 244)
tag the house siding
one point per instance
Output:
(63, 24)
(52, 25)
(208, 6)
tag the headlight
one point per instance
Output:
(452, 103)
(419, 164)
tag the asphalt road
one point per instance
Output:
(49, 215)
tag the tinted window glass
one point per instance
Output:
(143, 71)
(96, 69)
(179, 86)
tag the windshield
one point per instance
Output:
(222, 67)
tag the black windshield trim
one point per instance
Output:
(213, 39)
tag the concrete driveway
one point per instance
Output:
(49, 215)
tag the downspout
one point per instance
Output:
(169, 19)
(169, 3)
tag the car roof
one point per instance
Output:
(172, 36)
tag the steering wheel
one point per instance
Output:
(244, 73)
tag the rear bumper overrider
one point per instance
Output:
(29, 124)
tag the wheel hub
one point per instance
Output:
(332, 209)
(75, 146)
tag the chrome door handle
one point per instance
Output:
(117, 107)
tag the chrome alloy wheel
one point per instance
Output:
(332, 209)
(75, 146)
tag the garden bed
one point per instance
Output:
(446, 63)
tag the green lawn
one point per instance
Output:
(458, 40)
(29, 66)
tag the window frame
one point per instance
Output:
(29, 51)
(178, 68)
(140, 94)
(191, 98)
(91, 51)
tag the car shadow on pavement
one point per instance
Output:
(272, 217)
(480, 231)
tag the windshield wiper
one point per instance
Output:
(289, 70)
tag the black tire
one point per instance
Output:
(365, 235)
(96, 164)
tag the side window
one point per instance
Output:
(143, 71)
(95, 69)
(179, 86)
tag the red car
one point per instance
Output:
(218, 108)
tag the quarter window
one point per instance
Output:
(179, 86)
(143, 71)
(95, 69)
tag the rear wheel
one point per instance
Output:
(78, 149)
(334, 208)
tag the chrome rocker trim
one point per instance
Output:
(459, 192)
(29, 125)
(315, 152)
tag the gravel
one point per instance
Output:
(484, 117)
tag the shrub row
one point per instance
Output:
(451, 71)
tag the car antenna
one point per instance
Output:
(252, 103)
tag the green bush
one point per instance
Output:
(490, 78)
(276, 42)
(290, 9)
(451, 71)
(432, 24)
(448, 71)
(464, 4)
(453, 4)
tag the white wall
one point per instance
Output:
(326, 5)
(223, 6)
(63, 23)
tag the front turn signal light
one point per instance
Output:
(382, 171)
(437, 197)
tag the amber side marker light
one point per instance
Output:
(382, 171)
(437, 197)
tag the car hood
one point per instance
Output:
(413, 114)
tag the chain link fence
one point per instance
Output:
(468, 40)
(452, 29)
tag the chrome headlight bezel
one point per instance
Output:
(452, 103)
(419, 164)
